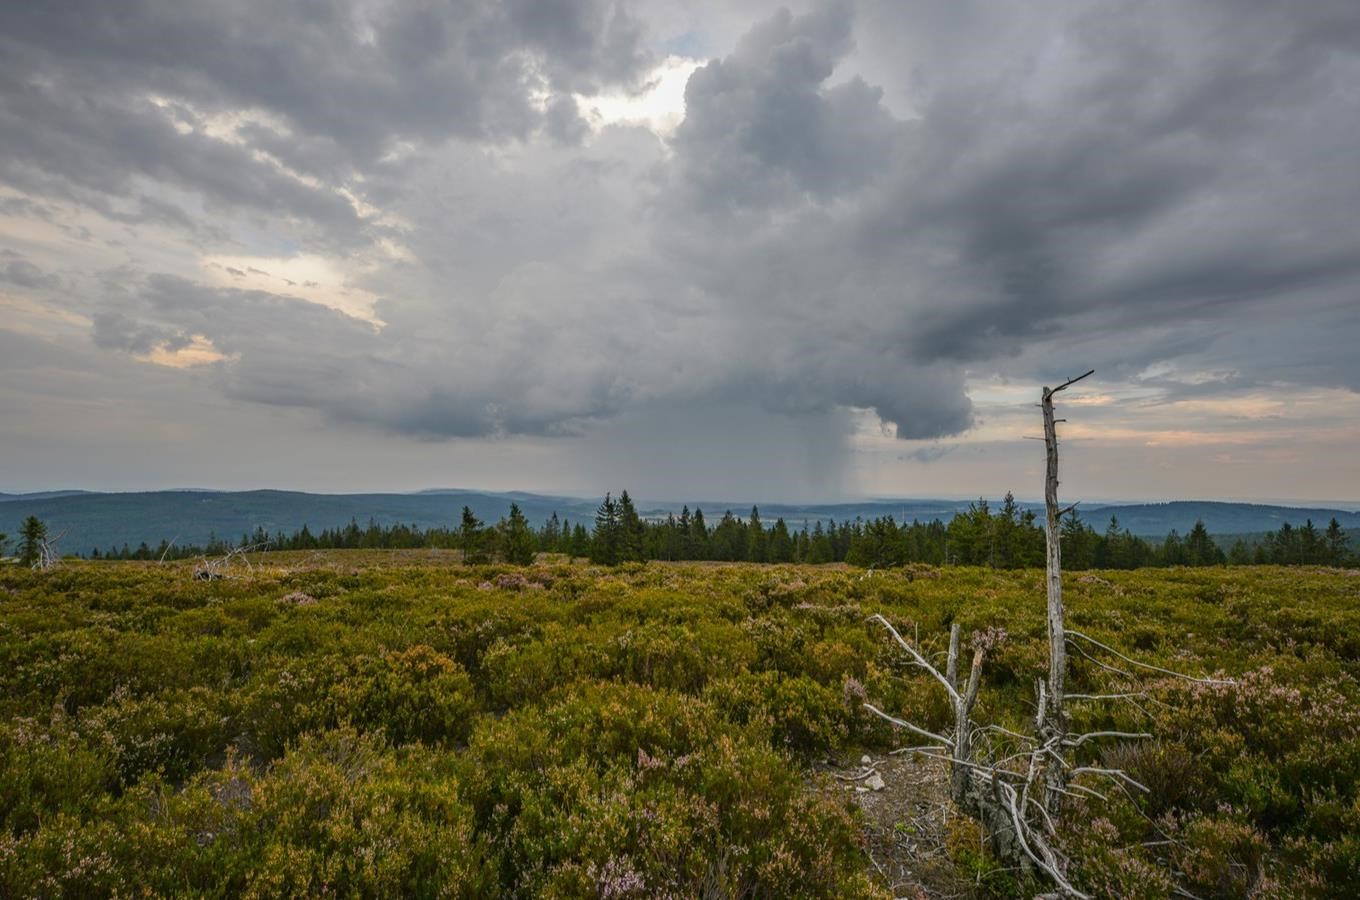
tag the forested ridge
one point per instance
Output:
(1002, 536)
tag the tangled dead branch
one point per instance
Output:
(217, 567)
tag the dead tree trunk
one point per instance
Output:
(1052, 715)
(996, 773)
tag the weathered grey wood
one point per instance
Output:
(951, 670)
(1053, 717)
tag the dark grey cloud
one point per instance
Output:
(286, 351)
(78, 147)
(929, 453)
(1144, 160)
(96, 95)
(24, 274)
(763, 123)
(358, 73)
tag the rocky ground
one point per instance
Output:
(907, 818)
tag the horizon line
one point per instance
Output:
(1296, 503)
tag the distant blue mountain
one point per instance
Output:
(1156, 519)
(40, 495)
(88, 520)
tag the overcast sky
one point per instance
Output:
(724, 249)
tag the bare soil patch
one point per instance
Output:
(907, 816)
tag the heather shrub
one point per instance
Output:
(338, 815)
(172, 734)
(800, 714)
(558, 656)
(416, 694)
(46, 770)
(662, 799)
(1106, 866)
(286, 698)
(1169, 772)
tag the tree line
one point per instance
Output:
(1002, 537)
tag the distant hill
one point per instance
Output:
(40, 495)
(1156, 519)
(89, 520)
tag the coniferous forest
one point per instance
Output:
(1001, 536)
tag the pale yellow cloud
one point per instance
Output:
(316, 279)
(199, 352)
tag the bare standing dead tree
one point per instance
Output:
(48, 555)
(1012, 783)
(1052, 714)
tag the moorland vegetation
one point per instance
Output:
(384, 723)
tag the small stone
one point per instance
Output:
(865, 760)
(875, 782)
(861, 790)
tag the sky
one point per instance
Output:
(694, 249)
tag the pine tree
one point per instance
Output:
(1008, 536)
(551, 535)
(1173, 550)
(781, 543)
(470, 538)
(604, 544)
(517, 541)
(684, 526)
(580, 541)
(1078, 543)
(32, 535)
(819, 546)
(698, 536)
(1110, 550)
(631, 530)
(1200, 549)
(1334, 538)
(757, 542)
(728, 541)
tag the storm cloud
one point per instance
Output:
(412, 219)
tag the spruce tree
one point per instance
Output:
(819, 546)
(551, 535)
(682, 526)
(1078, 543)
(517, 541)
(1200, 549)
(32, 535)
(757, 541)
(698, 536)
(580, 541)
(631, 530)
(604, 544)
(781, 543)
(1334, 537)
(470, 538)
